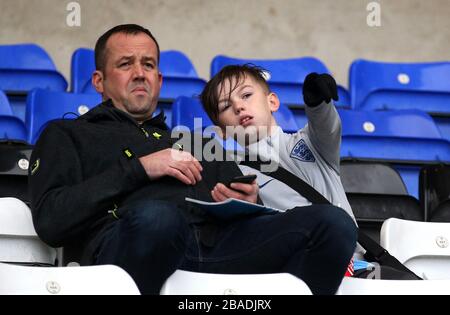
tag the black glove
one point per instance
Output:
(318, 88)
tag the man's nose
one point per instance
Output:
(138, 71)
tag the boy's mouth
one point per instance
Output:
(245, 120)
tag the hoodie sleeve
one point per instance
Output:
(64, 204)
(324, 131)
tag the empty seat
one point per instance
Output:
(24, 67)
(5, 107)
(44, 106)
(284, 76)
(408, 138)
(196, 283)
(423, 247)
(14, 163)
(12, 129)
(19, 242)
(435, 192)
(91, 280)
(355, 286)
(376, 192)
(381, 85)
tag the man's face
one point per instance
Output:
(131, 78)
(249, 107)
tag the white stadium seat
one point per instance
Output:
(91, 280)
(19, 242)
(194, 283)
(355, 286)
(421, 246)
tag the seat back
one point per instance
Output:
(356, 286)
(14, 163)
(5, 107)
(408, 136)
(284, 76)
(82, 68)
(435, 192)
(382, 85)
(194, 283)
(24, 67)
(19, 242)
(12, 128)
(44, 106)
(376, 192)
(423, 247)
(91, 280)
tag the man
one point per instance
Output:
(113, 182)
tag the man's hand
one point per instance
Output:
(170, 162)
(318, 88)
(246, 192)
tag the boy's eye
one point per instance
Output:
(246, 95)
(223, 107)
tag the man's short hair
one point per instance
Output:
(211, 93)
(100, 46)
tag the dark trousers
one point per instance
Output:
(151, 240)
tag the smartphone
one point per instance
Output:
(246, 179)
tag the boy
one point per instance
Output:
(239, 96)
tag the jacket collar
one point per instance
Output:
(107, 111)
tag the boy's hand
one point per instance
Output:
(318, 88)
(246, 192)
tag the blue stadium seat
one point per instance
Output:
(44, 106)
(285, 76)
(82, 67)
(5, 108)
(185, 110)
(406, 139)
(285, 119)
(12, 128)
(387, 86)
(24, 67)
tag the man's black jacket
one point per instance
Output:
(80, 170)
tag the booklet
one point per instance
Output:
(230, 208)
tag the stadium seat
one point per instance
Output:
(19, 242)
(24, 67)
(408, 138)
(195, 283)
(376, 192)
(12, 129)
(90, 280)
(285, 76)
(14, 163)
(5, 107)
(82, 68)
(44, 106)
(392, 86)
(356, 286)
(434, 184)
(423, 247)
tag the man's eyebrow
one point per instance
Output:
(239, 89)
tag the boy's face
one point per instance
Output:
(249, 108)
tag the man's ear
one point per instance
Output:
(274, 102)
(97, 81)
